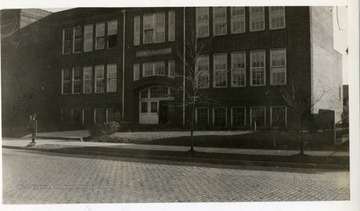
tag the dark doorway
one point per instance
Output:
(163, 112)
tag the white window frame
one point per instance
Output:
(111, 31)
(202, 23)
(111, 76)
(137, 29)
(171, 68)
(273, 68)
(90, 70)
(217, 22)
(160, 64)
(252, 69)
(232, 114)
(203, 73)
(67, 42)
(77, 40)
(213, 115)
(100, 35)
(221, 72)
(98, 79)
(271, 115)
(196, 114)
(251, 117)
(273, 13)
(254, 17)
(63, 81)
(155, 29)
(237, 18)
(171, 26)
(74, 81)
(238, 70)
(88, 38)
(136, 71)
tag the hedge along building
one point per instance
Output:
(126, 64)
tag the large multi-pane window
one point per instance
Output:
(137, 30)
(87, 72)
(202, 116)
(171, 68)
(258, 116)
(88, 38)
(278, 67)
(159, 68)
(171, 29)
(278, 116)
(202, 22)
(220, 70)
(77, 42)
(153, 68)
(202, 72)
(257, 19)
(277, 17)
(111, 71)
(112, 30)
(154, 28)
(66, 81)
(238, 116)
(67, 41)
(76, 88)
(257, 69)
(100, 115)
(238, 69)
(219, 117)
(237, 20)
(136, 70)
(88, 116)
(100, 36)
(99, 79)
(219, 21)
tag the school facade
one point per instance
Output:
(127, 65)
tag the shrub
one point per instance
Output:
(104, 129)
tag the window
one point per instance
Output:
(100, 116)
(219, 22)
(66, 81)
(159, 92)
(258, 116)
(202, 22)
(171, 29)
(77, 39)
(88, 38)
(219, 115)
(137, 30)
(67, 42)
(220, 70)
(77, 116)
(238, 69)
(136, 72)
(202, 72)
(99, 79)
(112, 31)
(88, 116)
(111, 71)
(153, 68)
(100, 36)
(237, 20)
(202, 116)
(278, 67)
(238, 117)
(171, 68)
(257, 19)
(87, 72)
(153, 107)
(110, 115)
(278, 117)
(257, 70)
(144, 107)
(277, 17)
(76, 89)
(154, 28)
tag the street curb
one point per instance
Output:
(61, 138)
(141, 154)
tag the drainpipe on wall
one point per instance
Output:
(184, 70)
(123, 69)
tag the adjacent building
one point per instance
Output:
(128, 65)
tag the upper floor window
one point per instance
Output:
(111, 70)
(220, 70)
(171, 68)
(277, 17)
(87, 77)
(136, 72)
(77, 76)
(77, 42)
(257, 19)
(257, 69)
(202, 72)
(100, 36)
(112, 31)
(171, 30)
(109, 36)
(88, 38)
(238, 69)
(237, 20)
(219, 22)
(66, 81)
(154, 28)
(153, 68)
(278, 67)
(99, 79)
(67, 41)
(202, 22)
(137, 30)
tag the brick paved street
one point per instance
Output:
(31, 177)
